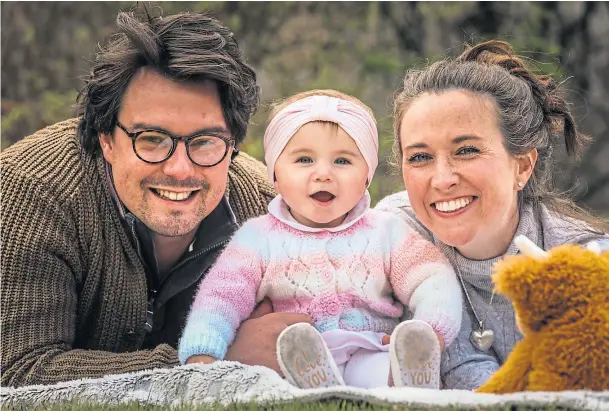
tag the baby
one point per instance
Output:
(324, 252)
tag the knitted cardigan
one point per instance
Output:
(72, 282)
(354, 277)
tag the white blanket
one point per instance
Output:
(230, 382)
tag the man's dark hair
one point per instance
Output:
(190, 47)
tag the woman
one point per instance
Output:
(474, 138)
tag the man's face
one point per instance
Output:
(155, 193)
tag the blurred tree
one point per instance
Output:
(362, 48)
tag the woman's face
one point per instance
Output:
(461, 181)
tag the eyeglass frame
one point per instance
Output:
(133, 135)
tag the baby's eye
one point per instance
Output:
(419, 158)
(468, 150)
(305, 160)
(342, 161)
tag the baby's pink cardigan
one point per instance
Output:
(357, 276)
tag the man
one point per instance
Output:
(111, 220)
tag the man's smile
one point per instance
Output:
(174, 195)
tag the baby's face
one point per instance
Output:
(321, 174)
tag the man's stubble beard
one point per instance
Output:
(172, 225)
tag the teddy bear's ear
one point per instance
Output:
(516, 275)
(512, 277)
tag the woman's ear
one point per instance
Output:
(526, 165)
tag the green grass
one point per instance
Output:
(327, 405)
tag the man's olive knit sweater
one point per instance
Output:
(72, 282)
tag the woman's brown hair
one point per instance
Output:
(532, 114)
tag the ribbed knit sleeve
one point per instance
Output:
(74, 287)
(41, 269)
(227, 295)
(424, 280)
(249, 191)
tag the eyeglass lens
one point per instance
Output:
(154, 146)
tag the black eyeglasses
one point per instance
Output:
(155, 146)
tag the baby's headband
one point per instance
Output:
(351, 117)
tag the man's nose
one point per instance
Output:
(179, 165)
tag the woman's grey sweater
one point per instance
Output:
(463, 366)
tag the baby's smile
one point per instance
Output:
(323, 197)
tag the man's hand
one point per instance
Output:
(205, 359)
(256, 339)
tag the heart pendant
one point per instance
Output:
(482, 339)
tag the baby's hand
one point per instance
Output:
(386, 339)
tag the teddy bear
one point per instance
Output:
(561, 300)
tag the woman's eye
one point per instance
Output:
(342, 161)
(305, 160)
(419, 158)
(468, 150)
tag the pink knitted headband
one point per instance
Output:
(351, 117)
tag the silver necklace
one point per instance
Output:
(481, 339)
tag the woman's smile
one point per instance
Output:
(454, 207)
